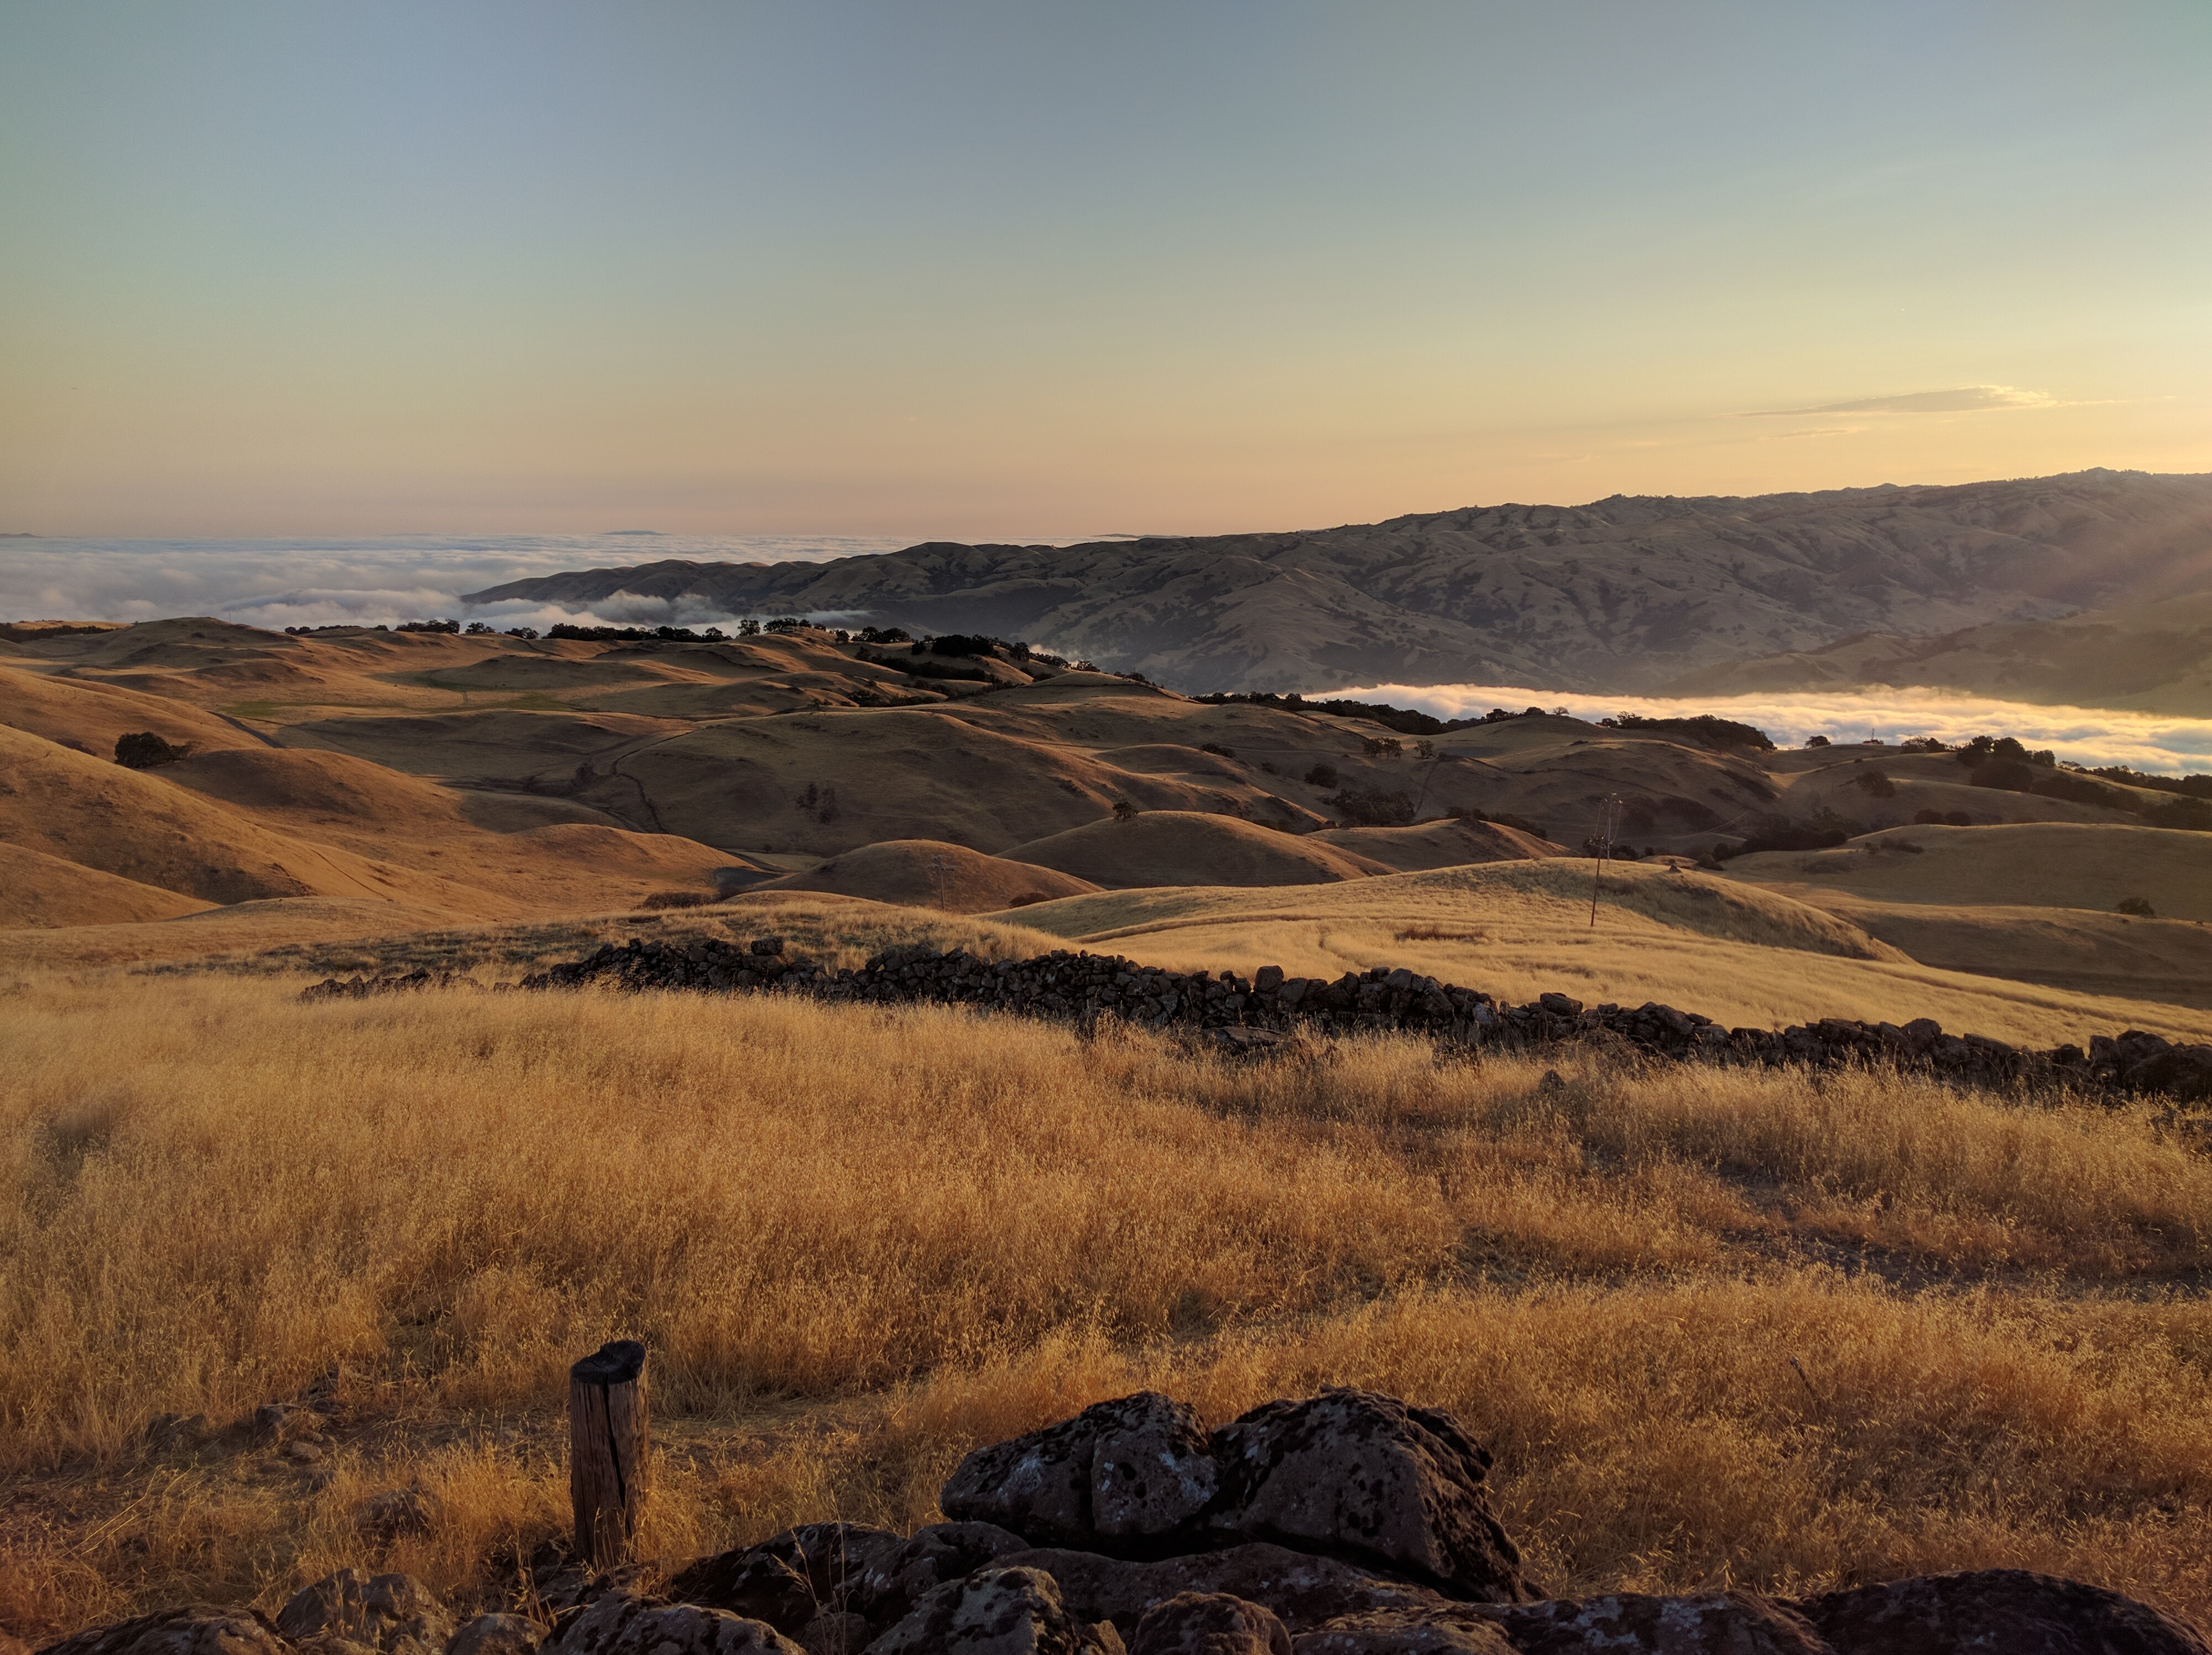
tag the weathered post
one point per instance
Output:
(607, 1450)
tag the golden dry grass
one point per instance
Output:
(1739, 953)
(859, 1242)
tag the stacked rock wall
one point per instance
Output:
(1255, 1014)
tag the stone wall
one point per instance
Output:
(1258, 1013)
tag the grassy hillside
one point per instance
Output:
(1738, 952)
(1779, 1329)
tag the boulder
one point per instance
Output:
(2013, 1610)
(2182, 1072)
(1446, 1629)
(497, 1634)
(395, 1614)
(1120, 1471)
(1630, 1623)
(998, 1611)
(620, 1624)
(1356, 1474)
(789, 1579)
(1305, 1592)
(890, 1582)
(190, 1629)
(1209, 1623)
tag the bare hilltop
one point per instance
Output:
(1628, 594)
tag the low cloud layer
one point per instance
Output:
(2085, 735)
(330, 583)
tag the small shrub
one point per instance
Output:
(1218, 750)
(2190, 815)
(1373, 807)
(682, 898)
(1956, 819)
(1928, 817)
(1704, 727)
(1816, 741)
(2006, 775)
(142, 749)
(2138, 906)
(1124, 811)
(1321, 775)
(962, 643)
(1383, 747)
(1823, 831)
(1875, 785)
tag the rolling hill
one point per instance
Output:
(1623, 593)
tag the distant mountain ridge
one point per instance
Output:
(1626, 594)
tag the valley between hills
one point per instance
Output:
(354, 782)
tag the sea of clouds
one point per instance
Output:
(279, 583)
(2085, 735)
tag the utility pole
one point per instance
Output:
(941, 871)
(1604, 852)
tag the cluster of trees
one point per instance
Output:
(1703, 726)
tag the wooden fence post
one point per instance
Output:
(607, 1450)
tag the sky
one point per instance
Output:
(1038, 271)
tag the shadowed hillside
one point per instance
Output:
(1623, 594)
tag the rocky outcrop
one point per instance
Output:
(619, 1624)
(2013, 1610)
(1250, 1016)
(1630, 1623)
(1303, 1590)
(393, 1614)
(1448, 1629)
(1379, 1540)
(189, 1629)
(358, 987)
(889, 1583)
(1209, 1623)
(1127, 1471)
(997, 1611)
(793, 1580)
(497, 1634)
(1348, 1474)
(786, 1581)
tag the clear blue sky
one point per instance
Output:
(981, 269)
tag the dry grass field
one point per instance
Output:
(1743, 952)
(1764, 1328)
(1767, 1328)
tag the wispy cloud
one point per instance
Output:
(2085, 735)
(1967, 399)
